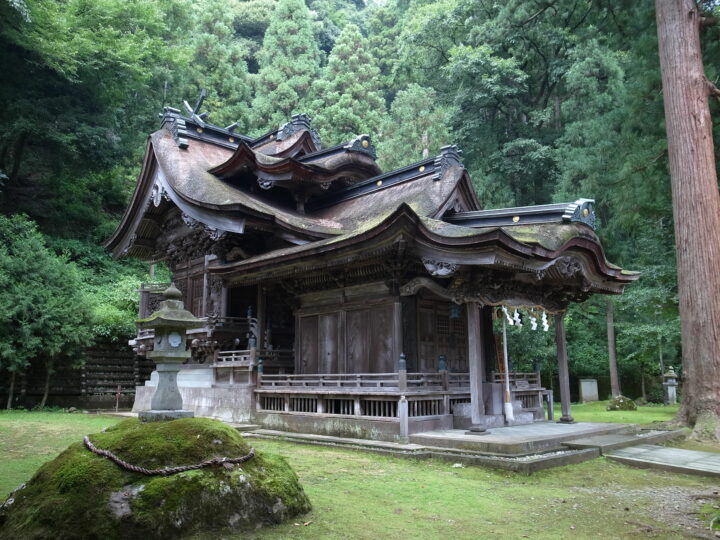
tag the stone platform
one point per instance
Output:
(517, 440)
(615, 441)
(650, 456)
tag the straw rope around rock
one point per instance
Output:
(165, 471)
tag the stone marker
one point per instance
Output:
(670, 385)
(588, 390)
(169, 352)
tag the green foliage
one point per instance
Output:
(349, 101)
(548, 101)
(43, 313)
(251, 19)
(416, 127)
(289, 62)
(219, 63)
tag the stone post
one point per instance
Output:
(403, 416)
(563, 372)
(402, 373)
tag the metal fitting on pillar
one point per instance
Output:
(442, 363)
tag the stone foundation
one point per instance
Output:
(230, 404)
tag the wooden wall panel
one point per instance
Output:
(381, 339)
(309, 344)
(358, 352)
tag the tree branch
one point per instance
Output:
(713, 91)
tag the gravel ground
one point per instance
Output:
(673, 506)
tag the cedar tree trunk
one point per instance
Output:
(696, 210)
(612, 357)
(46, 390)
(11, 391)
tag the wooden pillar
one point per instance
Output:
(563, 371)
(409, 331)
(397, 331)
(260, 316)
(477, 368)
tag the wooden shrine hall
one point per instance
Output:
(341, 299)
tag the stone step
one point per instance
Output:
(614, 441)
(650, 456)
(526, 464)
(244, 427)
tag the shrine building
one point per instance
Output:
(341, 299)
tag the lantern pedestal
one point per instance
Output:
(166, 403)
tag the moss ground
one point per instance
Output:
(362, 495)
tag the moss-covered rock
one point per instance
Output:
(82, 495)
(621, 403)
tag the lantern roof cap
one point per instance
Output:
(172, 313)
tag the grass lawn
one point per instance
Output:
(363, 495)
(597, 412)
(29, 439)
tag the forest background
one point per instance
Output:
(549, 100)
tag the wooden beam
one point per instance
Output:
(563, 371)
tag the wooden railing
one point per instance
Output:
(398, 381)
(322, 380)
(242, 358)
(459, 380)
(519, 380)
(249, 358)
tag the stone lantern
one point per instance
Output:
(170, 323)
(670, 384)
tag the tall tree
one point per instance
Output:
(416, 127)
(349, 101)
(289, 63)
(219, 63)
(696, 207)
(43, 314)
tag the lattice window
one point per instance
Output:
(272, 403)
(377, 407)
(303, 404)
(426, 407)
(457, 401)
(340, 406)
(442, 324)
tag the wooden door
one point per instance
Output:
(328, 343)
(381, 339)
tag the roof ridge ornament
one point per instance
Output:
(194, 111)
(583, 211)
(448, 157)
(362, 143)
(298, 122)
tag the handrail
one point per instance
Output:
(531, 379)
(336, 380)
